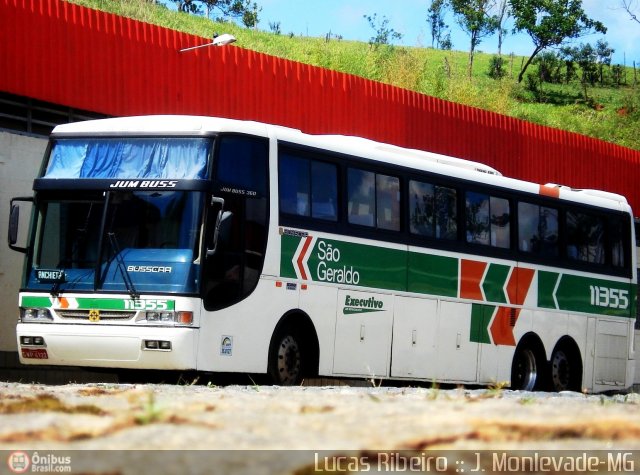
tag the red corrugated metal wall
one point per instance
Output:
(62, 53)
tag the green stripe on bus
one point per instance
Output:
(480, 319)
(434, 275)
(546, 284)
(374, 266)
(342, 262)
(347, 263)
(584, 294)
(576, 293)
(494, 282)
(31, 301)
(122, 304)
(288, 246)
(101, 303)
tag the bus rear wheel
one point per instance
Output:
(565, 369)
(527, 370)
(285, 358)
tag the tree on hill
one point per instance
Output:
(503, 15)
(188, 6)
(242, 10)
(604, 56)
(551, 22)
(633, 9)
(474, 17)
(384, 33)
(435, 19)
(586, 58)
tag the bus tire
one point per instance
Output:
(285, 365)
(528, 366)
(565, 367)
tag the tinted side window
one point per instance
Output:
(432, 210)
(295, 185)
(308, 187)
(585, 237)
(618, 230)
(446, 213)
(373, 199)
(538, 230)
(324, 191)
(388, 202)
(488, 220)
(361, 187)
(421, 208)
(242, 164)
(477, 217)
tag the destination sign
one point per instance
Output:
(50, 275)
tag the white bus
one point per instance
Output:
(208, 244)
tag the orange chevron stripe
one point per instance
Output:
(64, 303)
(472, 272)
(303, 252)
(519, 284)
(502, 326)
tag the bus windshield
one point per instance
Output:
(121, 241)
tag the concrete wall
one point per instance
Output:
(20, 158)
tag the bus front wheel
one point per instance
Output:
(285, 358)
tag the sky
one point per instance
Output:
(408, 17)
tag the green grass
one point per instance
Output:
(611, 114)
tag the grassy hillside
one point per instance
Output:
(610, 113)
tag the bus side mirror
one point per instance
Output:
(14, 221)
(222, 232)
(14, 231)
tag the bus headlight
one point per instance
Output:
(35, 315)
(180, 318)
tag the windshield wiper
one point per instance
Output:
(126, 277)
(55, 289)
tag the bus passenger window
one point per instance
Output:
(478, 226)
(585, 237)
(446, 213)
(388, 202)
(538, 230)
(488, 220)
(308, 187)
(361, 196)
(433, 211)
(374, 199)
(618, 231)
(324, 191)
(500, 223)
(421, 212)
(294, 185)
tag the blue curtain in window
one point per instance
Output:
(153, 158)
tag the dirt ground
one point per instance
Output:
(112, 428)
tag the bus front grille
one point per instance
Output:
(103, 315)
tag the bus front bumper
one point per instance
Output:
(107, 346)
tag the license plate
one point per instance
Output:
(35, 353)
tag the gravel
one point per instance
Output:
(284, 428)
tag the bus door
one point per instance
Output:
(231, 271)
(363, 334)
